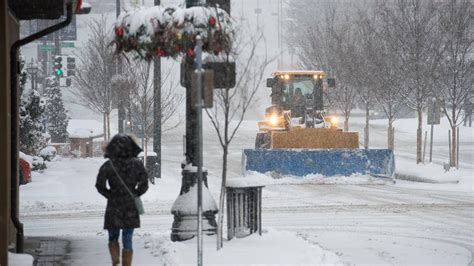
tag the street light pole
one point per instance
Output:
(183, 220)
(32, 69)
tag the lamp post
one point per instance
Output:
(185, 221)
(32, 70)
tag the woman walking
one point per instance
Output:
(125, 174)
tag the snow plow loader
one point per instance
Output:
(298, 138)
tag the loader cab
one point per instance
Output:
(285, 85)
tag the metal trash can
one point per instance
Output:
(244, 211)
(152, 165)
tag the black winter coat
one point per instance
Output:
(121, 211)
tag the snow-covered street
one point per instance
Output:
(392, 224)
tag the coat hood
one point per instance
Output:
(122, 146)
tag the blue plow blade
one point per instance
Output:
(333, 162)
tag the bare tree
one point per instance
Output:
(231, 104)
(387, 93)
(343, 60)
(95, 72)
(454, 77)
(411, 31)
(328, 43)
(363, 76)
(343, 97)
(384, 77)
(136, 85)
(308, 32)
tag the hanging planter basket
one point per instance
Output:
(171, 31)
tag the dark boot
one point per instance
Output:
(114, 250)
(127, 256)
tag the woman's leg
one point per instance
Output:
(127, 251)
(114, 234)
(114, 247)
(127, 234)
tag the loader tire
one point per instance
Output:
(263, 140)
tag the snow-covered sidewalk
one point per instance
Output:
(272, 248)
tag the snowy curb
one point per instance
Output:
(423, 179)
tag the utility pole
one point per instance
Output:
(156, 165)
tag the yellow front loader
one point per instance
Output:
(297, 137)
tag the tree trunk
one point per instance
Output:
(108, 125)
(454, 146)
(419, 137)
(145, 149)
(346, 123)
(391, 138)
(366, 129)
(220, 222)
(104, 127)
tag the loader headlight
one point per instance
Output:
(273, 120)
(333, 121)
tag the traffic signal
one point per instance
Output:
(71, 66)
(58, 71)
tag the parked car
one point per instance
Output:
(25, 172)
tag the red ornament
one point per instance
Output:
(212, 21)
(159, 52)
(119, 31)
(190, 52)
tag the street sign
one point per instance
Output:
(224, 74)
(50, 47)
(46, 47)
(434, 113)
(67, 44)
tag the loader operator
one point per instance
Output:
(298, 104)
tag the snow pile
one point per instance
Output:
(433, 173)
(15, 259)
(258, 179)
(271, 248)
(27, 158)
(48, 153)
(148, 153)
(187, 203)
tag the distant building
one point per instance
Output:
(81, 135)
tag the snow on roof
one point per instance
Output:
(86, 5)
(79, 128)
(148, 153)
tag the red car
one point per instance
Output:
(25, 172)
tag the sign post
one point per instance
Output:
(434, 118)
(199, 144)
